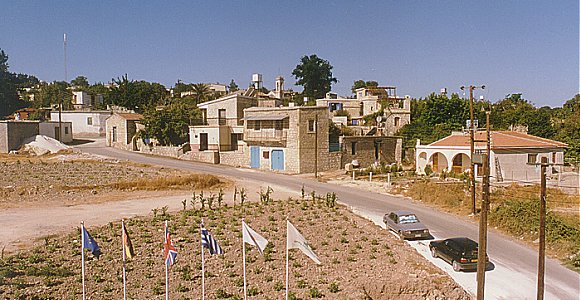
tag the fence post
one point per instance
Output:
(371, 177)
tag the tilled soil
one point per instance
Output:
(359, 259)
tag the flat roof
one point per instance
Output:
(265, 118)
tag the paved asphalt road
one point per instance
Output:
(514, 276)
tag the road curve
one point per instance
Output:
(514, 276)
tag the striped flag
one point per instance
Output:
(127, 245)
(209, 242)
(169, 251)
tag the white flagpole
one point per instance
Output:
(83, 257)
(244, 254)
(166, 268)
(124, 259)
(202, 265)
(287, 258)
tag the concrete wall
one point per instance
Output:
(514, 164)
(49, 129)
(80, 122)
(234, 106)
(13, 133)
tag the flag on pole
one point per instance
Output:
(296, 240)
(169, 251)
(90, 243)
(253, 238)
(127, 245)
(209, 242)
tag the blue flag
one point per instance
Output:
(90, 243)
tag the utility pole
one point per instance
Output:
(316, 146)
(61, 98)
(472, 145)
(542, 250)
(482, 253)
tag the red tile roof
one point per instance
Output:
(500, 140)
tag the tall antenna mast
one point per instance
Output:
(61, 98)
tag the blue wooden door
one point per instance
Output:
(255, 157)
(277, 160)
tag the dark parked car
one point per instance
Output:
(406, 225)
(460, 252)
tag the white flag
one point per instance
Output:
(253, 238)
(296, 240)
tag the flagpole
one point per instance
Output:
(83, 257)
(244, 254)
(124, 259)
(287, 258)
(202, 265)
(166, 268)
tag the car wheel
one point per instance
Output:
(433, 252)
(456, 266)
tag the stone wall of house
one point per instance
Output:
(240, 158)
(334, 161)
(390, 149)
(308, 141)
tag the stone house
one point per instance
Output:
(368, 150)
(289, 139)
(367, 101)
(121, 130)
(513, 154)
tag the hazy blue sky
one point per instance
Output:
(528, 47)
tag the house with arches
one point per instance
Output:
(514, 155)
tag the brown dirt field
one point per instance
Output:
(359, 259)
(71, 179)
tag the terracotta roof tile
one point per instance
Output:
(500, 140)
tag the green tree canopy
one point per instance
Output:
(9, 85)
(136, 95)
(361, 83)
(51, 95)
(201, 92)
(170, 125)
(233, 87)
(181, 87)
(80, 83)
(315, 75)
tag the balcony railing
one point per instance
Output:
(265, 135)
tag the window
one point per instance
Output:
(353, 148)
(65, 130)
(90, 121)
(114, 134)
(266, 155)
(256, 125)
(554, 157)
(278, 124)
(532, 158)
(221, 117)
(397, 121)
(311, 125)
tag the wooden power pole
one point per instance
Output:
(482, 251)
(316, 146)
(542, 250)
(472, 145)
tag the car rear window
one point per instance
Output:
(404, 219)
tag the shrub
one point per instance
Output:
(315, 293)
(333, 287)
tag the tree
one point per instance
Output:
(80, 83)
(170, 125)
(201, 92)
(181, 87)
(361, 83)
(136, 95)
(315, 75)
(9, 84)
(233, 87)
(51, 95)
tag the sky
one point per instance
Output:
(528, 47)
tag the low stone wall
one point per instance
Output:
(234, 158)
(162, 151)
(203, 156)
